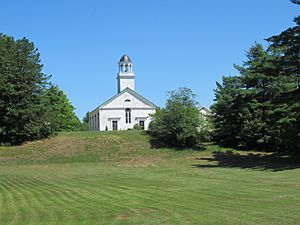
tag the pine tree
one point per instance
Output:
(227, 111)
(287, 44)
(260, 108)
(30, 107)
(21, 86)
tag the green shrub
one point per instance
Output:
(137, 127)
(179, 123)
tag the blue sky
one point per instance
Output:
(178, 43)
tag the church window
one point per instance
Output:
(128, 115)
(127, 100)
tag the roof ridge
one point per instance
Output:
(140, 97)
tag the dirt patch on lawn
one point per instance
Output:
(145, 161)
(296, 186)
(135, 213)
(63, 145)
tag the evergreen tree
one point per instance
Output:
(30, 108)
(295, 2)
(227, 111)
(287, 44)
(260, 108)
(21, 86)
(261, 85)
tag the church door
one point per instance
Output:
(142, 124)
(115, 125)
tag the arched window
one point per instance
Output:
(127, 100)
(128, 115)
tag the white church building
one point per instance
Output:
(126, 108)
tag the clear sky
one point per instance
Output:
(172, 43)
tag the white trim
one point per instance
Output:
(114, 118)
(133, 93)
(141, 118)
(123, 108)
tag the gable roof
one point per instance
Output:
(203, 108)
(133, 93)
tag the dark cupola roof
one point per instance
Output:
(125, 58)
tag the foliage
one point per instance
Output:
(295, 1)
(59, 112)
(260, 108)
(85, 122)
(227, 109)
(29, 108)
(21, 87)
(137, 127)
(177, 124)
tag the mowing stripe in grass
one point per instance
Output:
(45, 197)
(23, 213)
(8, 211)
(179, 189)
(31, 197)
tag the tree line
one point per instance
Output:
(257, 109)
(31, 107)
(260, 107)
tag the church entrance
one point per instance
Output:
(115, 125)
(142, 124)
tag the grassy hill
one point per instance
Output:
(74, 147)
(117, 178)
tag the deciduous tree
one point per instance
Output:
(59, 113)
(177, 125)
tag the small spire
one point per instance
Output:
(125, 58)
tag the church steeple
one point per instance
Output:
(126, 75)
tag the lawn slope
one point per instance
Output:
(117, 178)
(84, 147)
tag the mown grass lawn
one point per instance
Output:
(117, 178)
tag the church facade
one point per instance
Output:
(126, 108)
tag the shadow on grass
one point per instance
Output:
(261, 161)
(157, 144)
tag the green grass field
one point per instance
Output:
(117, 178)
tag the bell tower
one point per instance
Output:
(125, 76)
